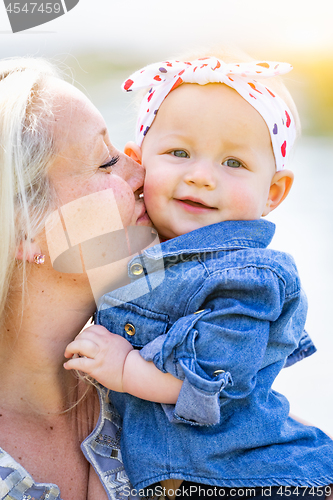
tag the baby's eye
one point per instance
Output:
(180, 153)
(232, 163)
(110, 163)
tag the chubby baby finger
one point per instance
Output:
(84, 364)
(82, 347)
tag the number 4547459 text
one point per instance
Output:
(31, 7)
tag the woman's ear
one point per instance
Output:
(27, 252)
(133, 151)
(280, 187)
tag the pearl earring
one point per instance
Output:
(39, 258)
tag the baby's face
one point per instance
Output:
(208, 158)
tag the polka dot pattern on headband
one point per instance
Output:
(164, 77)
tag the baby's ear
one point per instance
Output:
(280, 187)
(133, 151)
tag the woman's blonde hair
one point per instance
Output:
(26, 146)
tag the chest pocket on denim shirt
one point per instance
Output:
(139, 326)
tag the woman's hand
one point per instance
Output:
(101, 354)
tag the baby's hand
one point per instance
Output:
(104, 355)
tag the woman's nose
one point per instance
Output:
(201, 175)
(132, 172)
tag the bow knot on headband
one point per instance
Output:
(163, 77)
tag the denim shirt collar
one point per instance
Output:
(228, 235)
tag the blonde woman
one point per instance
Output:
(54, 150)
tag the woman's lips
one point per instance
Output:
(143, 219)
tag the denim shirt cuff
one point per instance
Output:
(150, 352)
(304, 349)
(196, 406)
(198, 402)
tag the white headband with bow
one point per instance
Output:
(163, 77)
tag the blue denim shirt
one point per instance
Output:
(102, 450)
(223, 314)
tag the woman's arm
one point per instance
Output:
(112, 361)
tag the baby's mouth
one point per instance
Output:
(197, 204)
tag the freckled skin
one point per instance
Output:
(76, 170)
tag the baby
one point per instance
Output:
(192, 361)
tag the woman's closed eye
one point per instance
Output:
(180, 153)
(110, 163)
(232, 163)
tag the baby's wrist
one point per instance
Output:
(131, 370)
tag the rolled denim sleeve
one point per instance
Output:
(304, 349)
(175, 353)
(219, 350)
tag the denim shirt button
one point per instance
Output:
(129, 329)
(218, 372)
(136, 269)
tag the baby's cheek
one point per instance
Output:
(152, 193)
(245, 204)
(151, 202)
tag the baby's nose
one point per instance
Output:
(201, 175)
